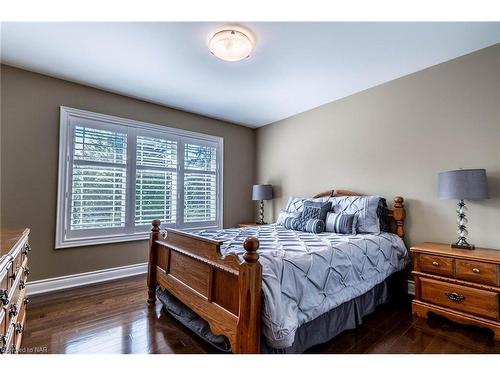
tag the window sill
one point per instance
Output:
(104, 240)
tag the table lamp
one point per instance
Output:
(262, 193)
(462, 184)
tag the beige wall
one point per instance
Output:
(29, 141)
(393, 139)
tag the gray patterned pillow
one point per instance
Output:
(341, 223)
(365, 207)
(309, 225)
(315, 210)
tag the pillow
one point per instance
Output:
(284, 215)
(296, 204)
(309, 225)
(315, 210)
(383, 215)
(341, 223)
(365, 207)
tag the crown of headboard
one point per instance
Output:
(397, 213)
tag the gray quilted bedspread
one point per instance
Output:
(305, 275)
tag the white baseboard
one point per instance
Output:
(86, 278)
(411, 287)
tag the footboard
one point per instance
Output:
(224, 291)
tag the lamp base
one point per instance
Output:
(466, 247)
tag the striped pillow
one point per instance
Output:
(341, 223)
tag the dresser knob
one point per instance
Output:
(475, 270)
(435, 264)
(26, 271)
(13, 310)
(19, 328)
(22, 284)
(4, 297)
(455, 297)
(26, 300)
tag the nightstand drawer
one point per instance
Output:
(436, 264)
(479, 272)
(462, 298)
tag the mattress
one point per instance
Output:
(305, 275)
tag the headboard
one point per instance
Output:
(397, 213)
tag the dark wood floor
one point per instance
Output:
(115, 318)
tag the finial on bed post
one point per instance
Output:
(399, 214)
(250, 289)
(251, 245)
(155, 236)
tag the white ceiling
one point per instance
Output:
(295, 66)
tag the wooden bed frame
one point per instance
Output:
(224, 291)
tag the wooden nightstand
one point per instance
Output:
(462, 285)
(244, 225)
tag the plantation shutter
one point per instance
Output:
(117, 175)
(156, 180)
(98, 181)
(200, 183)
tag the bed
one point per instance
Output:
(272, 289)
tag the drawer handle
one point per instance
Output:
(26, 271)
(22, 285)
(19, 328)
(4, 297)
(26, 300)
(435, 264)
(475, 270)
(13, 310)
(455, 297)
(3, 341)
(27, 249)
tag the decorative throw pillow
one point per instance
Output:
(341, 223)
(309, 225)
(315, 210)
(365, 207)
(284, 215)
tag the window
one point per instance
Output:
(117, 175)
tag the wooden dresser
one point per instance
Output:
(462, 285)
(14, 249)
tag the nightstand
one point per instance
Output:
(461, 285)
(244, 225)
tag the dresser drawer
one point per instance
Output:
(479, 272)
(462, 298)
(436, 264)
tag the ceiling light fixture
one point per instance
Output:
(231, 43)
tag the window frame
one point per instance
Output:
(65, 237)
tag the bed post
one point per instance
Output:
(250, 289)
(399, 214)
(155, 236)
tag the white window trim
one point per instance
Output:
(64, 164)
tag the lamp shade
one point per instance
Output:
(462, 184)
(262, 192)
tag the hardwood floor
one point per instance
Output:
(115, 318)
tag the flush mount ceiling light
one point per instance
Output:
(231, 43)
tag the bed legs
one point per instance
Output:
(250, 294)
